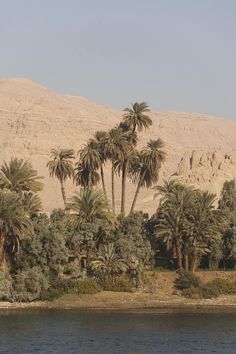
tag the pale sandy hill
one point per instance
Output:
(201, 149)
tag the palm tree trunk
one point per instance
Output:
(194, 263)
(179, 254)
(103, 182)
(63, 193)
(2, 252)
(113, 188)
(123, 185)
(136, 194)
(186, 263)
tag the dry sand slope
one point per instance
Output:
(201, 149)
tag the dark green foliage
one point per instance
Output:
(87, 286)
(29, 284)
(228, 196)
(227, 204)
(229, 246)
(132, 239)
(59, 287)
(186, 280)
(120, 284)
(210, 290)
(6, 286)
(188, 224)
(222, 286)
(46, 249)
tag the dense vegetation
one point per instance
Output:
(88, 245)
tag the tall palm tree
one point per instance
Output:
(14, 224)
(113, 145)
(122, 164)
(99, 138)
(146, 166)
(61, 167)
(136, 117)
(19, 176)
(89, 206)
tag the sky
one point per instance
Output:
(177, 55)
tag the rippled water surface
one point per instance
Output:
(108, 332)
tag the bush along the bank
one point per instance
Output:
(120, 284)
(59, 287)
(187, 280)
(192, 287)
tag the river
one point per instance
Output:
(75, 332)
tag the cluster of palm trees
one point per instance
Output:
(187, 222)
(19, 184)
(118, 146)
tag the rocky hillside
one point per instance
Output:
(201, 149)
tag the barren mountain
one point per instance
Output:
(201, 150)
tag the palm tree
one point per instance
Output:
(108, 261)
(146, 166)
(99, 138)
(31, 203)
(14, 224)
(113, 145)
(84, 176)
(91, 159)
(122, 164)
(136, 117)
(171, 222)
(19, 176)
(61, 167)
(205, 225)
(166, 189)
(89, 206)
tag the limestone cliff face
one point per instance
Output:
(207, 169)
(201, 150)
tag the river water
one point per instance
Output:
(72, 332)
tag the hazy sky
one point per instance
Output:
(175, 54)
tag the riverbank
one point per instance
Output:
(159, 294)
(107, 300)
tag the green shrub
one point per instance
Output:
(121, 284)
(187, 280)
(29, 284)
(6, 288)
(59, 287)
(223, 286)
(209, 292)
(87, 286)
(51, 294)
(193, 293)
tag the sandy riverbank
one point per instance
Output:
(130, 301)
